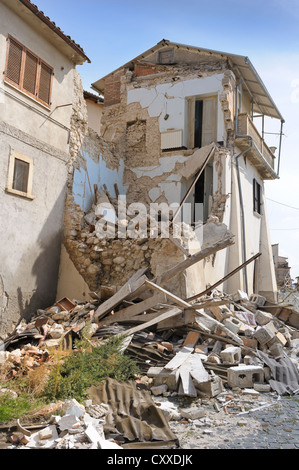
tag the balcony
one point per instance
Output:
(259, 154)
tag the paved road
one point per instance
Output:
(275, 427)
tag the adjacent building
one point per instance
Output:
(38, 87)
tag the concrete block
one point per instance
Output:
(67, 422)
(244, 376)
(46, 433)
(276, 349)
(232, 355)
(93, 435)
(159, 389)
(240, 295)
(278, 338)
(264, 334)
(257, 299)
(262, 318)
(192, 413)
(161, 376)
(214, 358)
(262, 388)
(249, 342)
(233, 324)
(212, 388)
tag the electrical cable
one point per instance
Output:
(291, 207)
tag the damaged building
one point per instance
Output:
(136, 213)
(175, 127)
(37, 125)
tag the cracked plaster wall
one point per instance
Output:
(128, 152)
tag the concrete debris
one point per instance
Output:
(68, 431)
(201, 349)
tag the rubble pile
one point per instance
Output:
(111, 252)
(201, 348)
(74, 426)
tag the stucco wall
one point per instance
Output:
(31, 229)
(50, 126)
(30, 232)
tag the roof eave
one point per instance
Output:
(39, 14)
(99, 85)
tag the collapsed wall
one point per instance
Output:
(131, 137)
(111, 260)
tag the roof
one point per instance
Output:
(91, 96)
(53, 27)
(263, 102)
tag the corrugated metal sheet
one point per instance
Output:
(284, 374)
(133, 413)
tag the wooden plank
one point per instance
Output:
(139, 319)
(197, 370)
(192, 338)
(133, 310)
(210, 303)
(185, 304)
(186, 386)
(187, 317)
(207, 251)
(206, 291)
(210, 154)
(179, 358)
(136, 281)
(163, 316)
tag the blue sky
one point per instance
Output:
(113, 32)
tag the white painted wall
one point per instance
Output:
(171, 99)
(23, 112)
(31, 229)
(94, 111)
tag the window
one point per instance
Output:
(257, 197)
(20, 175)
(202, 121)
(28, 72)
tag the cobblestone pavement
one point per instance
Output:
(273, 427)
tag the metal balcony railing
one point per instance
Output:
(245, 126)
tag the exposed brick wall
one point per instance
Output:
(141, 68)
(112, 88)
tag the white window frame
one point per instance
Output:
(11, 167)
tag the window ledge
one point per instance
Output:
(20, 193)
(259, 216)
(31, 98)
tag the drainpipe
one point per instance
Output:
(240, 186)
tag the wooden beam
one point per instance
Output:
(209, 289)
(211, 153)
(185, 304)
(163, 316)
(210, 303)
(208, 251)
(179, 358)
(136, 281)
(135, 309)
